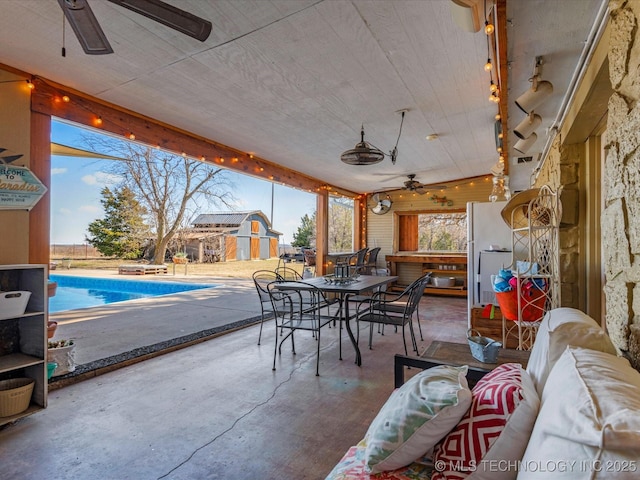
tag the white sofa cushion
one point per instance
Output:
(416, 416)
(493, 434)
(561, 327)
(589, 421)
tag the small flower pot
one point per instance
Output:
(51, 329)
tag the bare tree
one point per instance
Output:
(171, 187)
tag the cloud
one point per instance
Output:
(101, 178)
(58, 171)
(65, 211)
(90, 208)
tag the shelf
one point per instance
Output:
(14, 361)
(24, 315)
(457, 291)
(29, 334)
(33, 408)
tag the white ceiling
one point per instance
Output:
(292, 81)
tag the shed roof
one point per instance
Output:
(230, 219)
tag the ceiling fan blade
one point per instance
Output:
(86, 27)
(168, 15)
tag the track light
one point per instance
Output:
(540, 90)
(525, 144)
(527, 126)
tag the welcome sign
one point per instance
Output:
(20, 189)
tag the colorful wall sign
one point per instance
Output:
(20, 189)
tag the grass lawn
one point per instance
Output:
(237, 269)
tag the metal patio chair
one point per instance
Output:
(397, 309)
(299, 306)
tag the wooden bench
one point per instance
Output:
(141, 269)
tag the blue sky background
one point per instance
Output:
(76, 183)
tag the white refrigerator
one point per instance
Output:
(489, 250)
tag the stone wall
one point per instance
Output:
(621, 216)
(561, 169)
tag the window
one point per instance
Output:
(340, 224)
(432, 232)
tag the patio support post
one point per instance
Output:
(322, 231)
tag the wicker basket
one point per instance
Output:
(483, 349)
(15, 395)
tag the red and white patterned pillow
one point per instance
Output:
(492, 436)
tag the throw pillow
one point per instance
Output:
(589, 422)
(416, 416)
(559, 328)
(492, 436)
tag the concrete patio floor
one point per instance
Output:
(214, 410)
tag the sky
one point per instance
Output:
(76, 184)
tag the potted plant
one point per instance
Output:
(63, 353)
(180, 258)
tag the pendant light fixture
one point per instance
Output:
(365, 153)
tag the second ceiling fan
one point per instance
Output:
(93, 40)
(415, 186)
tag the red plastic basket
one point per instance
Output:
(532, 303)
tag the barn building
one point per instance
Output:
(228, 236)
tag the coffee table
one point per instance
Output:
(456, 354)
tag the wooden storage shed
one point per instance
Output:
(228, 236)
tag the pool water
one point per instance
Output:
(83, 292)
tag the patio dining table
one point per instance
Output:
(344, 289)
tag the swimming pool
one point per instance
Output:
(83, 292)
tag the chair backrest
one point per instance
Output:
(296, 297)
(415, 291)
(288, 274)
(309, 257)
(372, 257)
(360, 255)
(262, 278)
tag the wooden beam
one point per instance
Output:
(40, 165)
(501, 29)
(57, 100)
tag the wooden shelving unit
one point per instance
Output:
(23, 339)
(442, 265)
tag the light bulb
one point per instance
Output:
(488, 28)
(497, 117)
(132, 136)
(65, 98)
(98, 121)
(493, 87)
(30, 85)
(488, 66)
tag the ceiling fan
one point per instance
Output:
(420, 188)
(380, 205)
(94, 41)
(414, 185)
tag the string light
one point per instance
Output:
(488, 66)
(132, 136)
(98, 121)
(488, 28)
(30, 85)
(66, 99)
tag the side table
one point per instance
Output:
(455, 354)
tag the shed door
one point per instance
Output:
(255, 248)
(231, 247)
(273, 247)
